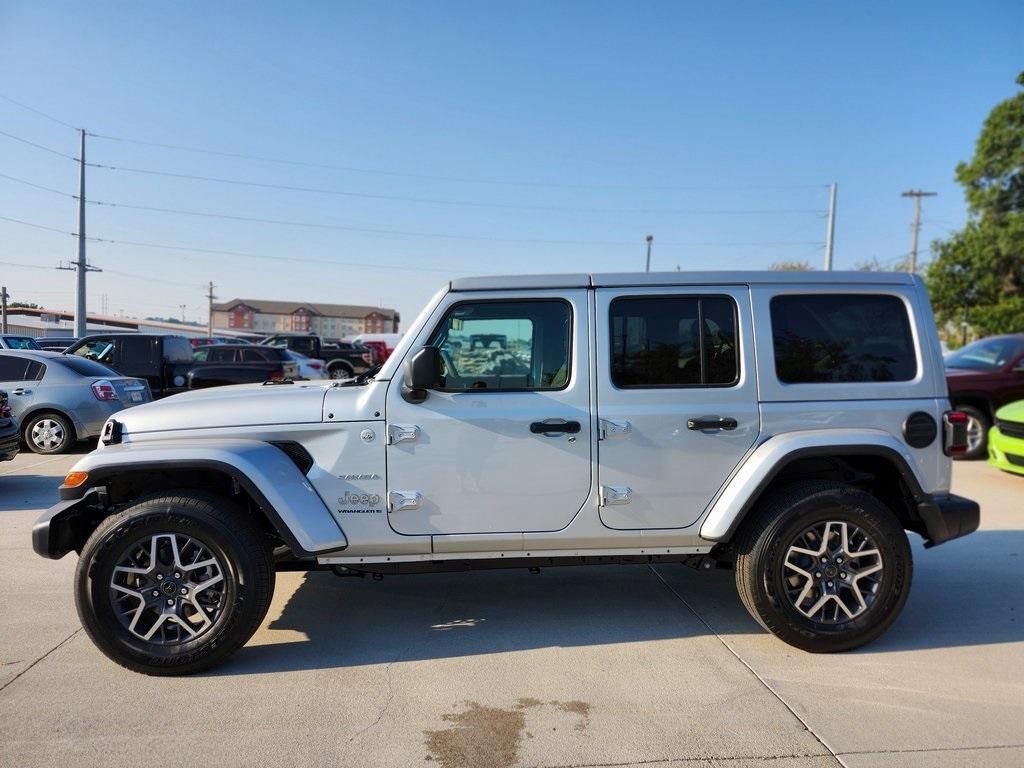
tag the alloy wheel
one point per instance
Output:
(168, 588)
(832, 572)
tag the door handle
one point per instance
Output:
(548, 427)
(711, 422)
(21, 391)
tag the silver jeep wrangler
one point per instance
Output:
(791, 426)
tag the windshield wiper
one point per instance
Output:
(362, 378)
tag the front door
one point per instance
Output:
(676, 400)
(503, 443)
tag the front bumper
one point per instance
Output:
(54, 533)
(948, 517)
(1004, 452)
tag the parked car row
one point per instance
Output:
(57, 399)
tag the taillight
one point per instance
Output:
(276, 376)
(954, 432)
(315, 366)
(367, 357)
(104, 390)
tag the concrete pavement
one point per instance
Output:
(579, 667)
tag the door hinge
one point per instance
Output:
(610, 430)
(402, 433)
(615, 495)
(401, 501)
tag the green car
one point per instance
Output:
(1006, 438)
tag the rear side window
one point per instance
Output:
(842, 338)
(84, 367)
(673, 341)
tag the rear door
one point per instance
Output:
(676, 400)
(19, 378)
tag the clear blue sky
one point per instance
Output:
(714, 126)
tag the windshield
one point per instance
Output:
(20, 342)
(84, 366)
(986, 355)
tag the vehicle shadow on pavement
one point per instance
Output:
(353, 621)
(20, 492)
(959, 598)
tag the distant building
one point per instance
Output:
(330, 320)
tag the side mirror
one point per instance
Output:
(421, 374)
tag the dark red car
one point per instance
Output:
(983, 377)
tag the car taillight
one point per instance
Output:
(276, 376)
(104, 390)
(367, 358)
(954, 432)
(315, 366)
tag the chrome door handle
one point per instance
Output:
(21, 391)
(712, 422)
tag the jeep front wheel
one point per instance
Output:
(174, 583)
(824, 566)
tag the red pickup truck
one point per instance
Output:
(983, 377)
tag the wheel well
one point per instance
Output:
(128, 487)
(41, 409)
(344, 364)
(983, 404)
(876, 474)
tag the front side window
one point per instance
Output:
(100, 350)
(505, 346)
(842, 338)
(673, 341)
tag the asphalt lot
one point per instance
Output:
(574, 667)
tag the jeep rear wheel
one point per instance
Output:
(174, 584)
(824, 566)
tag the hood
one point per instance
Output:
(1012, 412)
(232, 406)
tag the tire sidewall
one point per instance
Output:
(863, 511)
(69, 435)
(104, 550)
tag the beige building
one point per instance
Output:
(329, 320)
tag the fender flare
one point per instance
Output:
(766, 461)
(263, 470)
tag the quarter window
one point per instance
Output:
(505, 346)
(673, 341)
(836, 338)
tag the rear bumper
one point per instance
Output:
(948, 517)
(10, 443)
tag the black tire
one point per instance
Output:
(340, 370)
(52, 422)
(229, 535)
(761, 550)
(979, 451)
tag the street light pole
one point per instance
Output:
(831, 229)
(649, 239)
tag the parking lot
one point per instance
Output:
(621, 665)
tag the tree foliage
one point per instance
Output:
(982, 265)
(792, 266)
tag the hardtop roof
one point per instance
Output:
(645, 279)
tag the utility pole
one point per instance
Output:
(81, 266)
(831, 229)
(209, 323)
(4, 296)
(649, 239)
(915, 228)
(182, 308)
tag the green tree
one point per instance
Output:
(981, 267)
(792, 266)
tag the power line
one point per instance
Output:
(39, 112)
(38, 226)
(379, 230)
(39, 146)
(437, 201)
(431, 177)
